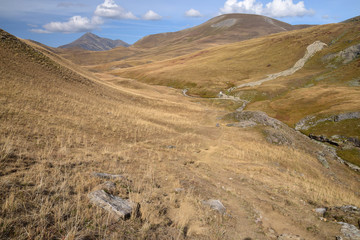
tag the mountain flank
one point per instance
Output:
(222, 29)
(92, 42)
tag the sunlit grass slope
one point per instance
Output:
(57, 127)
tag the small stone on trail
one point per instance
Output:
(113, 204)
(107, 176)
(170, 146)
(320, 210)
(217, 125)
(286, 236)
(216, 205)
(179, 190)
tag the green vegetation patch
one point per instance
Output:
(351, 155)
(349, 128)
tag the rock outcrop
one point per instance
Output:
(311, 121)
(345, 56)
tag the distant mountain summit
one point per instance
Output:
(92, 42)
(222, 29)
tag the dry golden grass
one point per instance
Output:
(229, 65)
(57, 127)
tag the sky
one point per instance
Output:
(58, 22)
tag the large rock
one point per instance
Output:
(120, 207)
(344, 56)
(349, 231)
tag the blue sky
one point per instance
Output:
(57, 22)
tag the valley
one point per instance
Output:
(180, 120)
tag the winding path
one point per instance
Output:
(222, 96)
(311, 50)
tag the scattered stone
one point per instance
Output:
(348, 214)
(287, 236)
(352, 166)
(217, 125)
(178, 190)
(216, 205)
(170, 147)
(277, 137)
(320, 210)
(107, 176)
(113, 204)
(257, 117)
(323, 161)
(242, 124)
(338, 238)
(350, 231)
(110, 186)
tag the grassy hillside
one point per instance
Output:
(236, 63)
(59, 125)
(321, 88)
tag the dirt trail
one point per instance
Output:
(311, 50)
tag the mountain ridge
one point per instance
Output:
(92, 42)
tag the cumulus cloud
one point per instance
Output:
(193, 13)
(151, 15)
(74, 24)
(275, 8)
(109, 9)
(246, 6)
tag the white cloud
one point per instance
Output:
(151, 15)
(246, 6)
(75, 24)
(275, 8)
(109, 9)
(286, 8)
(193, 13)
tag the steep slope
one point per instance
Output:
(92, 42)
(57, 128)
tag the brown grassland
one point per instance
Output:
(59, 125)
